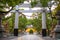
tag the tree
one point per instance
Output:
(10, 21)
(36, 21)
(8, 4)
(31, 31)
(4, 4)
(44, 4)
(58, 5)
(22, 22)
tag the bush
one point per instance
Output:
(31, 31)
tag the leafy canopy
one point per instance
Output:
(44, 3)
(9, 3)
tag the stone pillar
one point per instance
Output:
(16, 23)
(58, 17)
(57, 28)
(43, 24)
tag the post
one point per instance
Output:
(43, 24)
(16, 23)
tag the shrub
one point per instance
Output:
(31, 31)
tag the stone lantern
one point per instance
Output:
(1, 30)
(57, 28)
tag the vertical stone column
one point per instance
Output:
(43, 24)
(16, 23)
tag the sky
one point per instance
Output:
(27, 15)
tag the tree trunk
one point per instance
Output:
(1, 32)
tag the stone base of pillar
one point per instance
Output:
(44, 33)
(1, 34)
(15, 32)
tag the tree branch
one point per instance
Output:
(6, 11)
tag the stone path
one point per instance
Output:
(32, 37)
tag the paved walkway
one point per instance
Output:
(27, 37)
(32, 37)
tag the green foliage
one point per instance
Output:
(29, 22)
(22, 22)
(31, 31)
(11, 21)
(57, 0)
(48, 21)
(33, 3)
(58, 5)
(11, 2)
(36, 22)
(44, 3)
